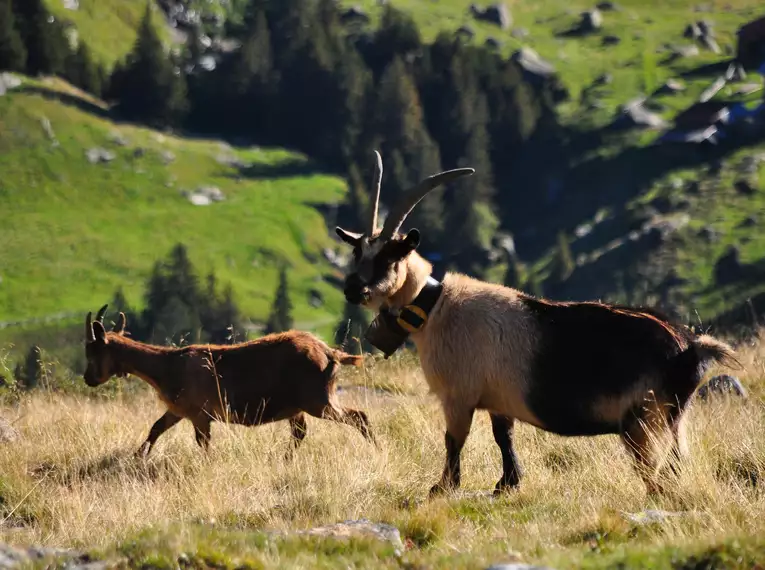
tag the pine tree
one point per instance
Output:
(280, 318)
(351, 329)
(43, 36)
(29, 375)
(149, 87)
(13, 54)
(397, 36)
(81, 70)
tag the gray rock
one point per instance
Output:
(498, 14)
(97, 155)
(167, 156)
(634, 114)
(493, 43)
(692, 32)
(205, 195)
(673, 86)
(48, 128)
(709, 234)
(72, 4)
(530, 61)
(517, 566)
(591, 21)
(709, 43)
(118, 138)
(604, 79)
(360, 528)
(7, 432)
(705, 27)
(520, 33)
(712, 90)
(466, 31)
(722, 384)
(685, 51)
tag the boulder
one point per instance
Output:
(722, 384)
(685, 51)
(710, 44)
(359, 528)
(97, 155)
(7, 432)
(498, 14)
(592, 20)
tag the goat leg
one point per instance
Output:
(502, 427)
(457, 429)
(202, 431)
(298, 431)
(163, 424)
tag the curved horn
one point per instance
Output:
(411, 197)
(376, 183)
(119, 328)
(89, 334)
(100, 314)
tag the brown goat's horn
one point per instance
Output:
(119, 328)
(411, 197)
(376, 183)
(100, 314)
(89, 334)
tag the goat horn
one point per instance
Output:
(411, 198)
(119, 328)
(377, 182)
(100, 314)
(89, 334)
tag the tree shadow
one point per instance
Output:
(715, 68)
(289, 168)
(67, 99)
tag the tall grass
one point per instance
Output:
(71, 480)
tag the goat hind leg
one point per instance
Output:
(348, 416)
(645, 432)
(298, 431)
(502, 427)
(202, 431)
(163, 424)
(458, 422)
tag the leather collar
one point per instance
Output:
(414, 316)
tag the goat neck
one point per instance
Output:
(414, 275)
(148, 362)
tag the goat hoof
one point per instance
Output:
(439, 489)
(504, 486)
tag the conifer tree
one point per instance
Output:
(280, 318)
(43, 36)
(149, 87)
(13, 54)
(82, 71)
(29, 375)
(351, 329)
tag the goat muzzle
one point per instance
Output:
(355, 291)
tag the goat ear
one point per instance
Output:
(400, 248)
(119, 328)
(100, 332)
(351, 238)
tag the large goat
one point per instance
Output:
(574, 369)
(276, 377)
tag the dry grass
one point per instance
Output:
(72, 480)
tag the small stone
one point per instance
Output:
(607, 6)
(96, 155)
(167, 156)
(520, 33)
(604, 79)
(709, 43)
(722, 384)
(674, 86)
(611, 40)
(118, 138)
(591, 21)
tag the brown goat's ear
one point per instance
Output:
(100, 332)
(351, 238)
(119, 328)
(400, 248)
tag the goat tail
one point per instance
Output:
(347, 359)
(710, 349)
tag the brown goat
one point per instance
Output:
(276, 377)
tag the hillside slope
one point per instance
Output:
(72, 231)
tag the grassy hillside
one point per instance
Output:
(70, 480)
(73, 231)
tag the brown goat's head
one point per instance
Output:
(378, 270)
(101, 363)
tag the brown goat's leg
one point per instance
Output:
(202, 431)
(347, 416)
(298, 431)
(645, 432)
(163, 424)
(458, 422)
(511, 469)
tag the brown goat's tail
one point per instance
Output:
(709, 349)
(347, 359)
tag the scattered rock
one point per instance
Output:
(712, 90)
(532, 63)
(746, 89)
(685, 51)
(354, 14)
(118, 138)
(673, 86)
(705, 28)
(315, 298)
(607, 6)
(750, 164)
(744, 187)
(611, 40)
(466, 31)
(498, 14)
(652, 516)
(167, 156)
(692, 32)
(7, 434)
(72, 4)
(520, 33)
(748, 222)
(493, 43)
(735, 72)
(709, 43)
(591, 21)
(604, 79)
(48, 128)
(12, 557)
(96, 155)
(708, 234)
(517, 566)
(360, 528)
(205, 195)
(634, 114)
(722, 384)
(8, 81)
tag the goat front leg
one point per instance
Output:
(163, 424)
(202, 431)
(511, 468)
(458, 420)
